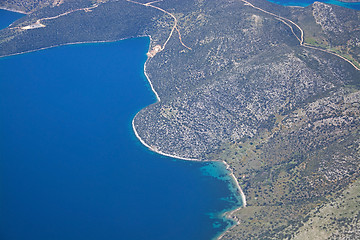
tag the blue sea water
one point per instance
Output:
(304, 3)
(70, 165)
(7, 17)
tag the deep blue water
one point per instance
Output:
(70, 165)
(7, 17)
(304, 3)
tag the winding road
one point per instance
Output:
(288, 22)
(175, 27)
(158, 48)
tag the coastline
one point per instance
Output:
(228, 214)
(71, 43)
(13, 10)
(231, 213)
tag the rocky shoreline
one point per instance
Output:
(284, 117)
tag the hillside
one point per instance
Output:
(236, 84)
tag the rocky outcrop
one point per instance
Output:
(325, 16)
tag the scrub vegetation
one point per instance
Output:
(240, 86)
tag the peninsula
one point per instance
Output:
(272, 91)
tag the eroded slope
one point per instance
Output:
(284, 116)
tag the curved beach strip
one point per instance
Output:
(228, 214)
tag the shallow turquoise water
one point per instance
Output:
(71, 167)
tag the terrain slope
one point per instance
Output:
(273, 91)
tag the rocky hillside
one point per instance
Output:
(336, 29)
(28, 6)
(236, 85)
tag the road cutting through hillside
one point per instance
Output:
(288, 22)
(175, 27)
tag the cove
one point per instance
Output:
(8, 17)
(305, 3)
(71, 166)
